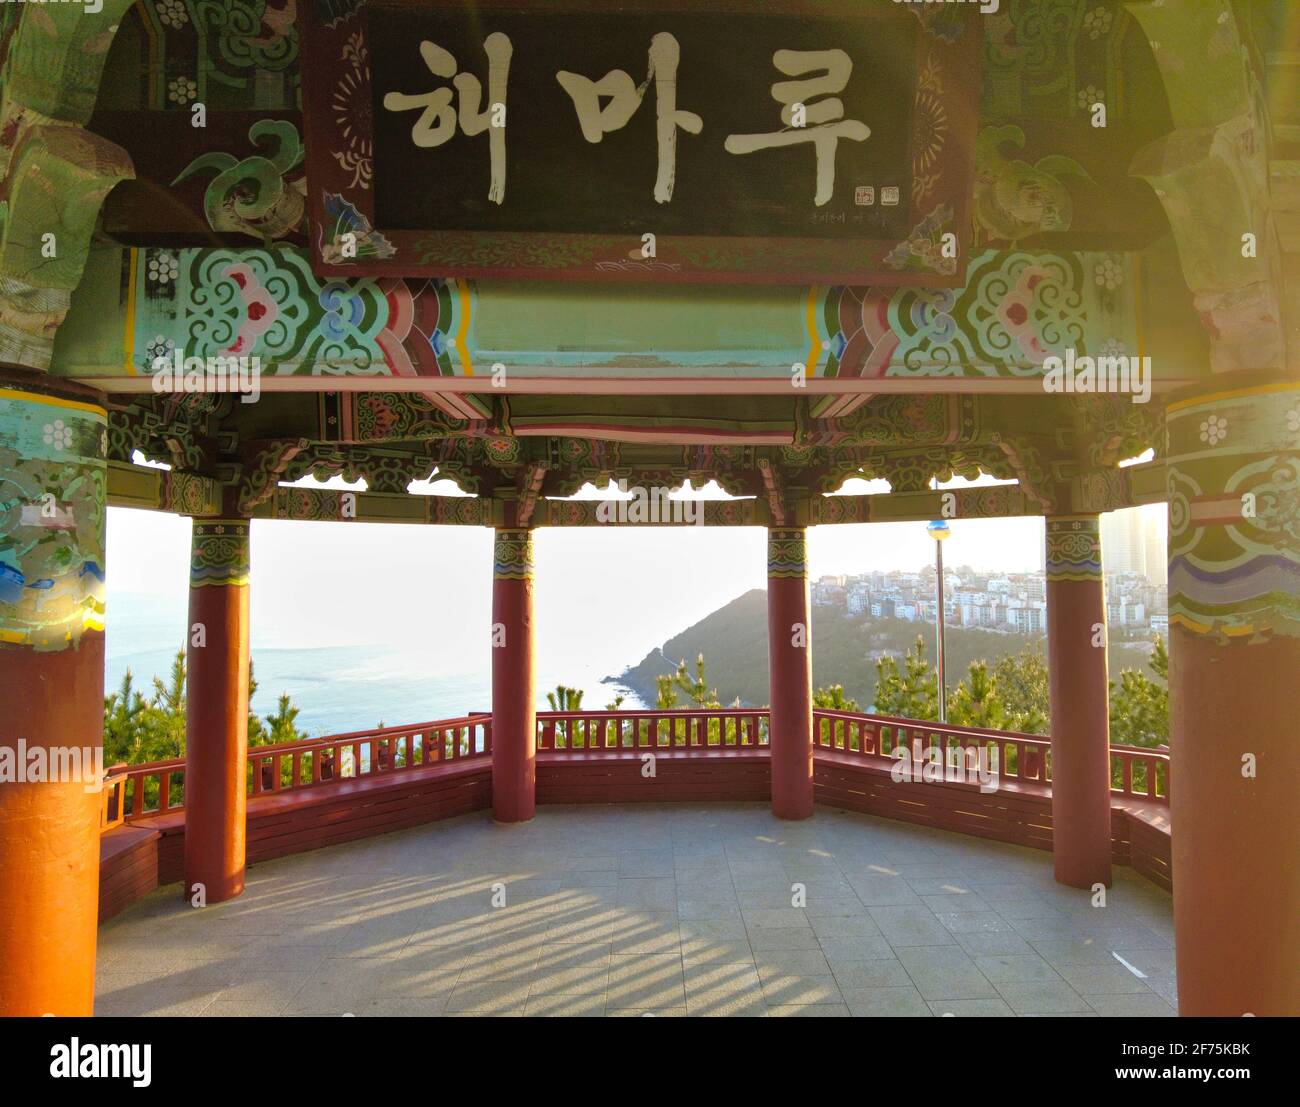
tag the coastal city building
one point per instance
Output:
(1014, 603)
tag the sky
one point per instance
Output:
(609, 593)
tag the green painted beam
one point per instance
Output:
(1015, 309)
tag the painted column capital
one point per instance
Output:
(787, 552)
(1073, 547)
(1233, 482)
(512, 555)
(219, 552)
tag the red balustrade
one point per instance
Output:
(112, 811)
(1024, 757)
(1136, 771)
(158, 788)
(1143, 772)
(138, 791)
(687, 729)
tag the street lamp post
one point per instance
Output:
(939, 530)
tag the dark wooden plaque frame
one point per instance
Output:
(336, 119)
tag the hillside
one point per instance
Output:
(734, 642)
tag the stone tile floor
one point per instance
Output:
(650, 909)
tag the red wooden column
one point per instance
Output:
(514, 711)
(216, 713)
(789, 656)
(1234, 658)
(1080, 701)
(52, 510)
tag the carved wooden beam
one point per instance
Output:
(179, 493)
(530, 487)
(265, 464)
(774, 491)
(330, 505)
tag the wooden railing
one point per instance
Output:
(693, 729)
(154, 788)
(1025, 757)
(1143, 772)
(1137, 772)
(139, 791)
(367, 753)
(158, 788)
(112, 811)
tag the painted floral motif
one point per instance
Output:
(172, 13)
(236, 45)
(894, 420)
(351, 106)
(186, 494)
(1109, 274)
(930, 128)
(1052, 57)
(923, 249)
(1014, 310)
(1017, 313)
(1089, 95)
(1097, 22)
(269, 303)
(501, 451)
(181, 90)
(58, 435)
(1214, 429)
(260, 309)
(159, 346)
(163, 267)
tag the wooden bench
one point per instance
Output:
(318, 815)
(128, 867)
(720, 775)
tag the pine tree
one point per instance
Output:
(281, 724)
(139, 729)
(125, 713)
(911, 694)
(565, 699)
(666, 692)
(1023, 691)
(1139, 708)
(832, 698)
(975, 700)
